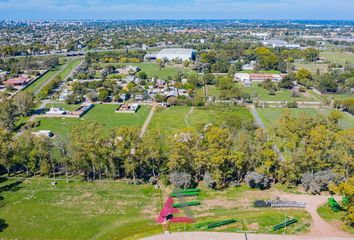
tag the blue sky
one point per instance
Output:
(177, 9)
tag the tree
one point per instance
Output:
(63, 145)
(8, 115)
(287, 82)
(6, 150)
(327, 83)
(304, 78)
(24, 102)
(347, 189)
(103, 95)
(142, 75)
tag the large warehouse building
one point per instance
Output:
(176, 53)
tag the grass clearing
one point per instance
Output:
(338, 57)
(170, 120)
(270, 115)
(104, 114)
(312, 67)
(281, 95)
(35, 210)
(153, 69)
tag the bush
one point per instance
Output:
(208, 179)
(181, 180)
(292, 104)
(257, 180)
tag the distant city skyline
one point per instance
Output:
(177, 9)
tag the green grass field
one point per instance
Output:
(170, 120)
(104, 114)
(312, 67)
(270, 115)
(35, 210)
(63, 105)
(338, 57)
(281, 95)
(260, 71)
(153, 69)
(335, 217)
(37, 84)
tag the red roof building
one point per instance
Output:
(19, 81)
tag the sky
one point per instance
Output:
(176, 9)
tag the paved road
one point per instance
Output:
(238, 236)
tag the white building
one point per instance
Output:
(176, 53)
(280, 43)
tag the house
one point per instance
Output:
(128, 108)
(139, 97)
(182, 54)
(258, 77)
(128, 70)
(249, 66)
(18, 81)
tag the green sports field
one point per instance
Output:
(104, 114)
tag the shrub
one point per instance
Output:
(319, 181)
(292, 104)
(181, 180)
(208, 179)
(257, 180)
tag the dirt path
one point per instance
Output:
(319, 227)
(147, 121)
(187, 116)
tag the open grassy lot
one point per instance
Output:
(173, 119)
(281, 95)
(335, 217)
(35, 210)
(104, 114)
(260, 71)
(312, 67)
(338, 57)
(153, 69)
(270, 115)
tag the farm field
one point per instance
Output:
(270, 115)
(173, 119)
(338, 57)
(104, 114)
(281, 95)
(35, 210)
